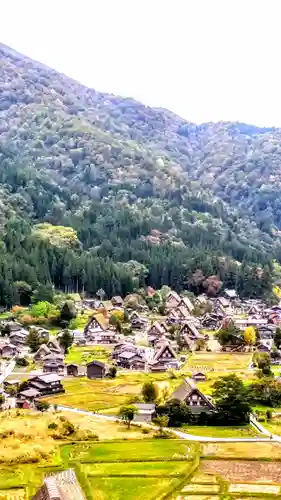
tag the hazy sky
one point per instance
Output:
(207, 60)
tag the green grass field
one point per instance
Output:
(83, 355)
(273, 425)
(155, 470)
(136, 468)
(221, 432)
(151, 469)
(122, 488)
(135, 450)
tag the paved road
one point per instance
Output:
(7, 370)
(182, 435)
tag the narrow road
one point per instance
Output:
(182, 435)
(7, 370)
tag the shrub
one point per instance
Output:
(86, 435)
(42, 406)
(17, 310)
(52, 425)
(26, 319)
(268, 414)
(163, 435)
(22, 362)
(145, 431)
(68, 428)
(112, 372)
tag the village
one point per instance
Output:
(184, 340)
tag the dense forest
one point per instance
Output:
(98, 191)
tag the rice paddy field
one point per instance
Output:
(245, 431)
(219, 361)
(104, 395)
(155, 469)
(83, 355)
(108, 395)
(116, 470)
(241, 471)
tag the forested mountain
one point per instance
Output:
(133, 183)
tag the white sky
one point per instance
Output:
(207, 60)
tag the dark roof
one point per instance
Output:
(186, 389)
(18, 334)
(48, 377)
(187, 303)
(159, 326)
(223, 301)
(173, 295)
(144, 406)
(192, 329)
(30, 393)
(117, 298)
(53, 342)
(11, 382)
(183, 311)
(164, 346)
(91, 320)
(11, 346)
(53, 364)
(44, 349)
(53, 357)
(198, 374)
(127, 354)
(96, 363)
(36, 384)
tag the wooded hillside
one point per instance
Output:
(133, 183)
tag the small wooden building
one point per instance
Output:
(117, 301)
(145, 412)
(95, 369)
(189, 394)
(72, 369)
(199, 377)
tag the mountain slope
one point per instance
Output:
(134, 182)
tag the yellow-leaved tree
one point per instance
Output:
(250, 335)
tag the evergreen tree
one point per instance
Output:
(66, 340)
(33, 340)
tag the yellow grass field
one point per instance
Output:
(245, 450)
(25, 435)
(219, 361)
(103, 395)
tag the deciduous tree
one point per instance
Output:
(231, 398)
(127, 414)
(149, 392)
